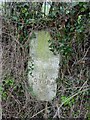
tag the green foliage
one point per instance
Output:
(60, 47)
(72, 30)
(67, 101)
(6, 85)
(9, 82)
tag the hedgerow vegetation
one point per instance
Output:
(69, 27)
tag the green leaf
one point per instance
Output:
(9, 82)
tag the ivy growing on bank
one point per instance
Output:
(67, 21)
(68, 24)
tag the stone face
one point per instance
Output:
(45, 90)
(45, 68)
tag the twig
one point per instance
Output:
(69, 100)
(61, 104)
